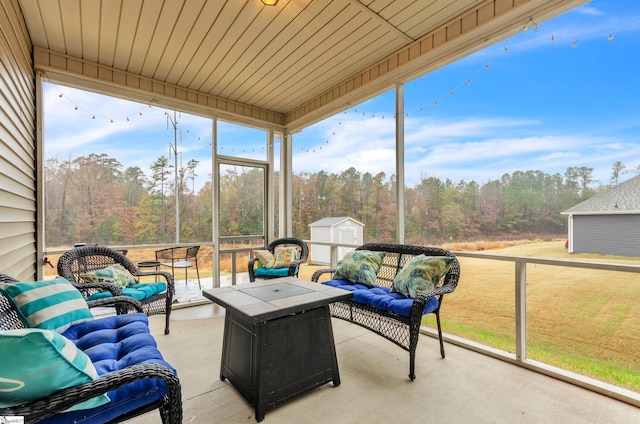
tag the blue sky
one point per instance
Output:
(526, 103)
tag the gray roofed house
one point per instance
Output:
(608, 223)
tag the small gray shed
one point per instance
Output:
(607, 223)
(340, 230)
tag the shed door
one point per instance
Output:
(348, 235)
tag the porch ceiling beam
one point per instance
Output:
(110, 81)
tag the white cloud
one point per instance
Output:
(469, 148)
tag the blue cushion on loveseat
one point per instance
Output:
(382, 298)
(114, 343)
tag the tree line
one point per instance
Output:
(93, 199)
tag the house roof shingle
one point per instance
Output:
(623, 198)
(333, 221)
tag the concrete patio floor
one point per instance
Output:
(466, 387)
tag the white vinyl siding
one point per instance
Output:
(17, 146)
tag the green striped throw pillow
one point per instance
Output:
(51, 304)
(37, 363)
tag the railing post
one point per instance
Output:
(521, 310)
(233, 268)
(333, 254)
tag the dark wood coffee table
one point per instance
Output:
(278, 339)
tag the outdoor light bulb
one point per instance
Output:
(93, 117)
(469, 81)
(575, 43)
(60, 95)
(435, 103)
(487, 66)
(75, 108)
(553, 39)
(506, 49)
(611, 37)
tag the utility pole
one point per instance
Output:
(174, 148)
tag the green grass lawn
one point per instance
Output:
(585, 321)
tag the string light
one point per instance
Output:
(451, 93)
(94, 116)
(529, 24)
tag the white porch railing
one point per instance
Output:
(520, 358)
(520, 265)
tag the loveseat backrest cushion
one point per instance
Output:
(391, 265)
(397, 255)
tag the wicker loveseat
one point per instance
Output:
(96, 370)
(393, 315)
(85, 259)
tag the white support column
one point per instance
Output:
(269, 190)
(215, 197)
(40, 209)
(400, 162)
(570, 235)
(285, 228)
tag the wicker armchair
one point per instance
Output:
(169, 406)
(294, 266)
(84, 259)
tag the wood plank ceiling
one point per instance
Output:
(284, 66)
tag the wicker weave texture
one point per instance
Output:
(403, 331)
(294, 266)
(85, 259)
(170, 406)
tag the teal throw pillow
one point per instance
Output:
(50, 304)
(115, 273)
(359, 266)
(421, 273)
(37, 363)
